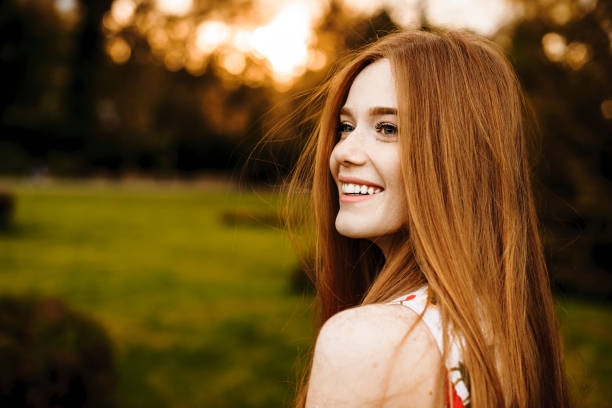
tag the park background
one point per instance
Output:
(142, 261)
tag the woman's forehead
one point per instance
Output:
(373, 87)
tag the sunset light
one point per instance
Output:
(554, 46)
(210, 35)
(65, 6)
(119, 50)
(122, 11)
(175, 7)
(284, 41)
(280, 41)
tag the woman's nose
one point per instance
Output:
(350, 150)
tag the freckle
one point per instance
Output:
(429, 392)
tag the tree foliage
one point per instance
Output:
(68, 108)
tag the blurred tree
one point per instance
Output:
(34, 50)
(563, 54)
(118, 86)
(127, 98)
(86, 63)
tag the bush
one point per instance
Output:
(300, 278)
(51, 356)
(14, 159)
(7, 206)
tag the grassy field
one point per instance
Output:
(199, 310)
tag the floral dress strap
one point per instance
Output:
(419, 303)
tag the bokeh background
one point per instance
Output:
(142, 262)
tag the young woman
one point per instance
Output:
(430, 276)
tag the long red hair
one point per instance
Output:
(472, 230)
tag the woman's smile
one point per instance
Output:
(354, 197)
(354, 189)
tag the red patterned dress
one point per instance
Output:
(455, 368)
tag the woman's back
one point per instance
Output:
(456, 370)
(363, 350)
(363, 358)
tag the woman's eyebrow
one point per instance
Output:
(375, 111)
(380, 111)
(346, 111)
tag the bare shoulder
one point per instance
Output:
(368, 353)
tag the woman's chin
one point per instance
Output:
(350, 230)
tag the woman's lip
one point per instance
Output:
(352, 198)
(355, 180)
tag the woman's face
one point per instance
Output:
(365, 162)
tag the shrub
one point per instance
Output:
(51, 356)
(7, 206)
(300, 278)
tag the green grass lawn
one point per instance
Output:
(200, 312)
(587, 335)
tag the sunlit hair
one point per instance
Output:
(472, 230)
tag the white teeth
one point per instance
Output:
(348, 188)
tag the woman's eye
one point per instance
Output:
(386, 129)
(344, 127)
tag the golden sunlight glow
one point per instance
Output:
(68, 11)
(158, 39)
(482, 16)
(145, 22)
(281, 48)
(65, 6)
(122, 11)
(554, 46)
(606, 108)
(195, 63)
(316, 60)
(587, 5)
(174, 60)
(284, 41)
(561, 13)
(110, 23)
(577, 55)
(242, 40)
(574, 54)
(119, 50)
(175, 7)
(254, 75)
(210, 35)
(179, 30)
(233, 62)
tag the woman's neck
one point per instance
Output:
(389, 243)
